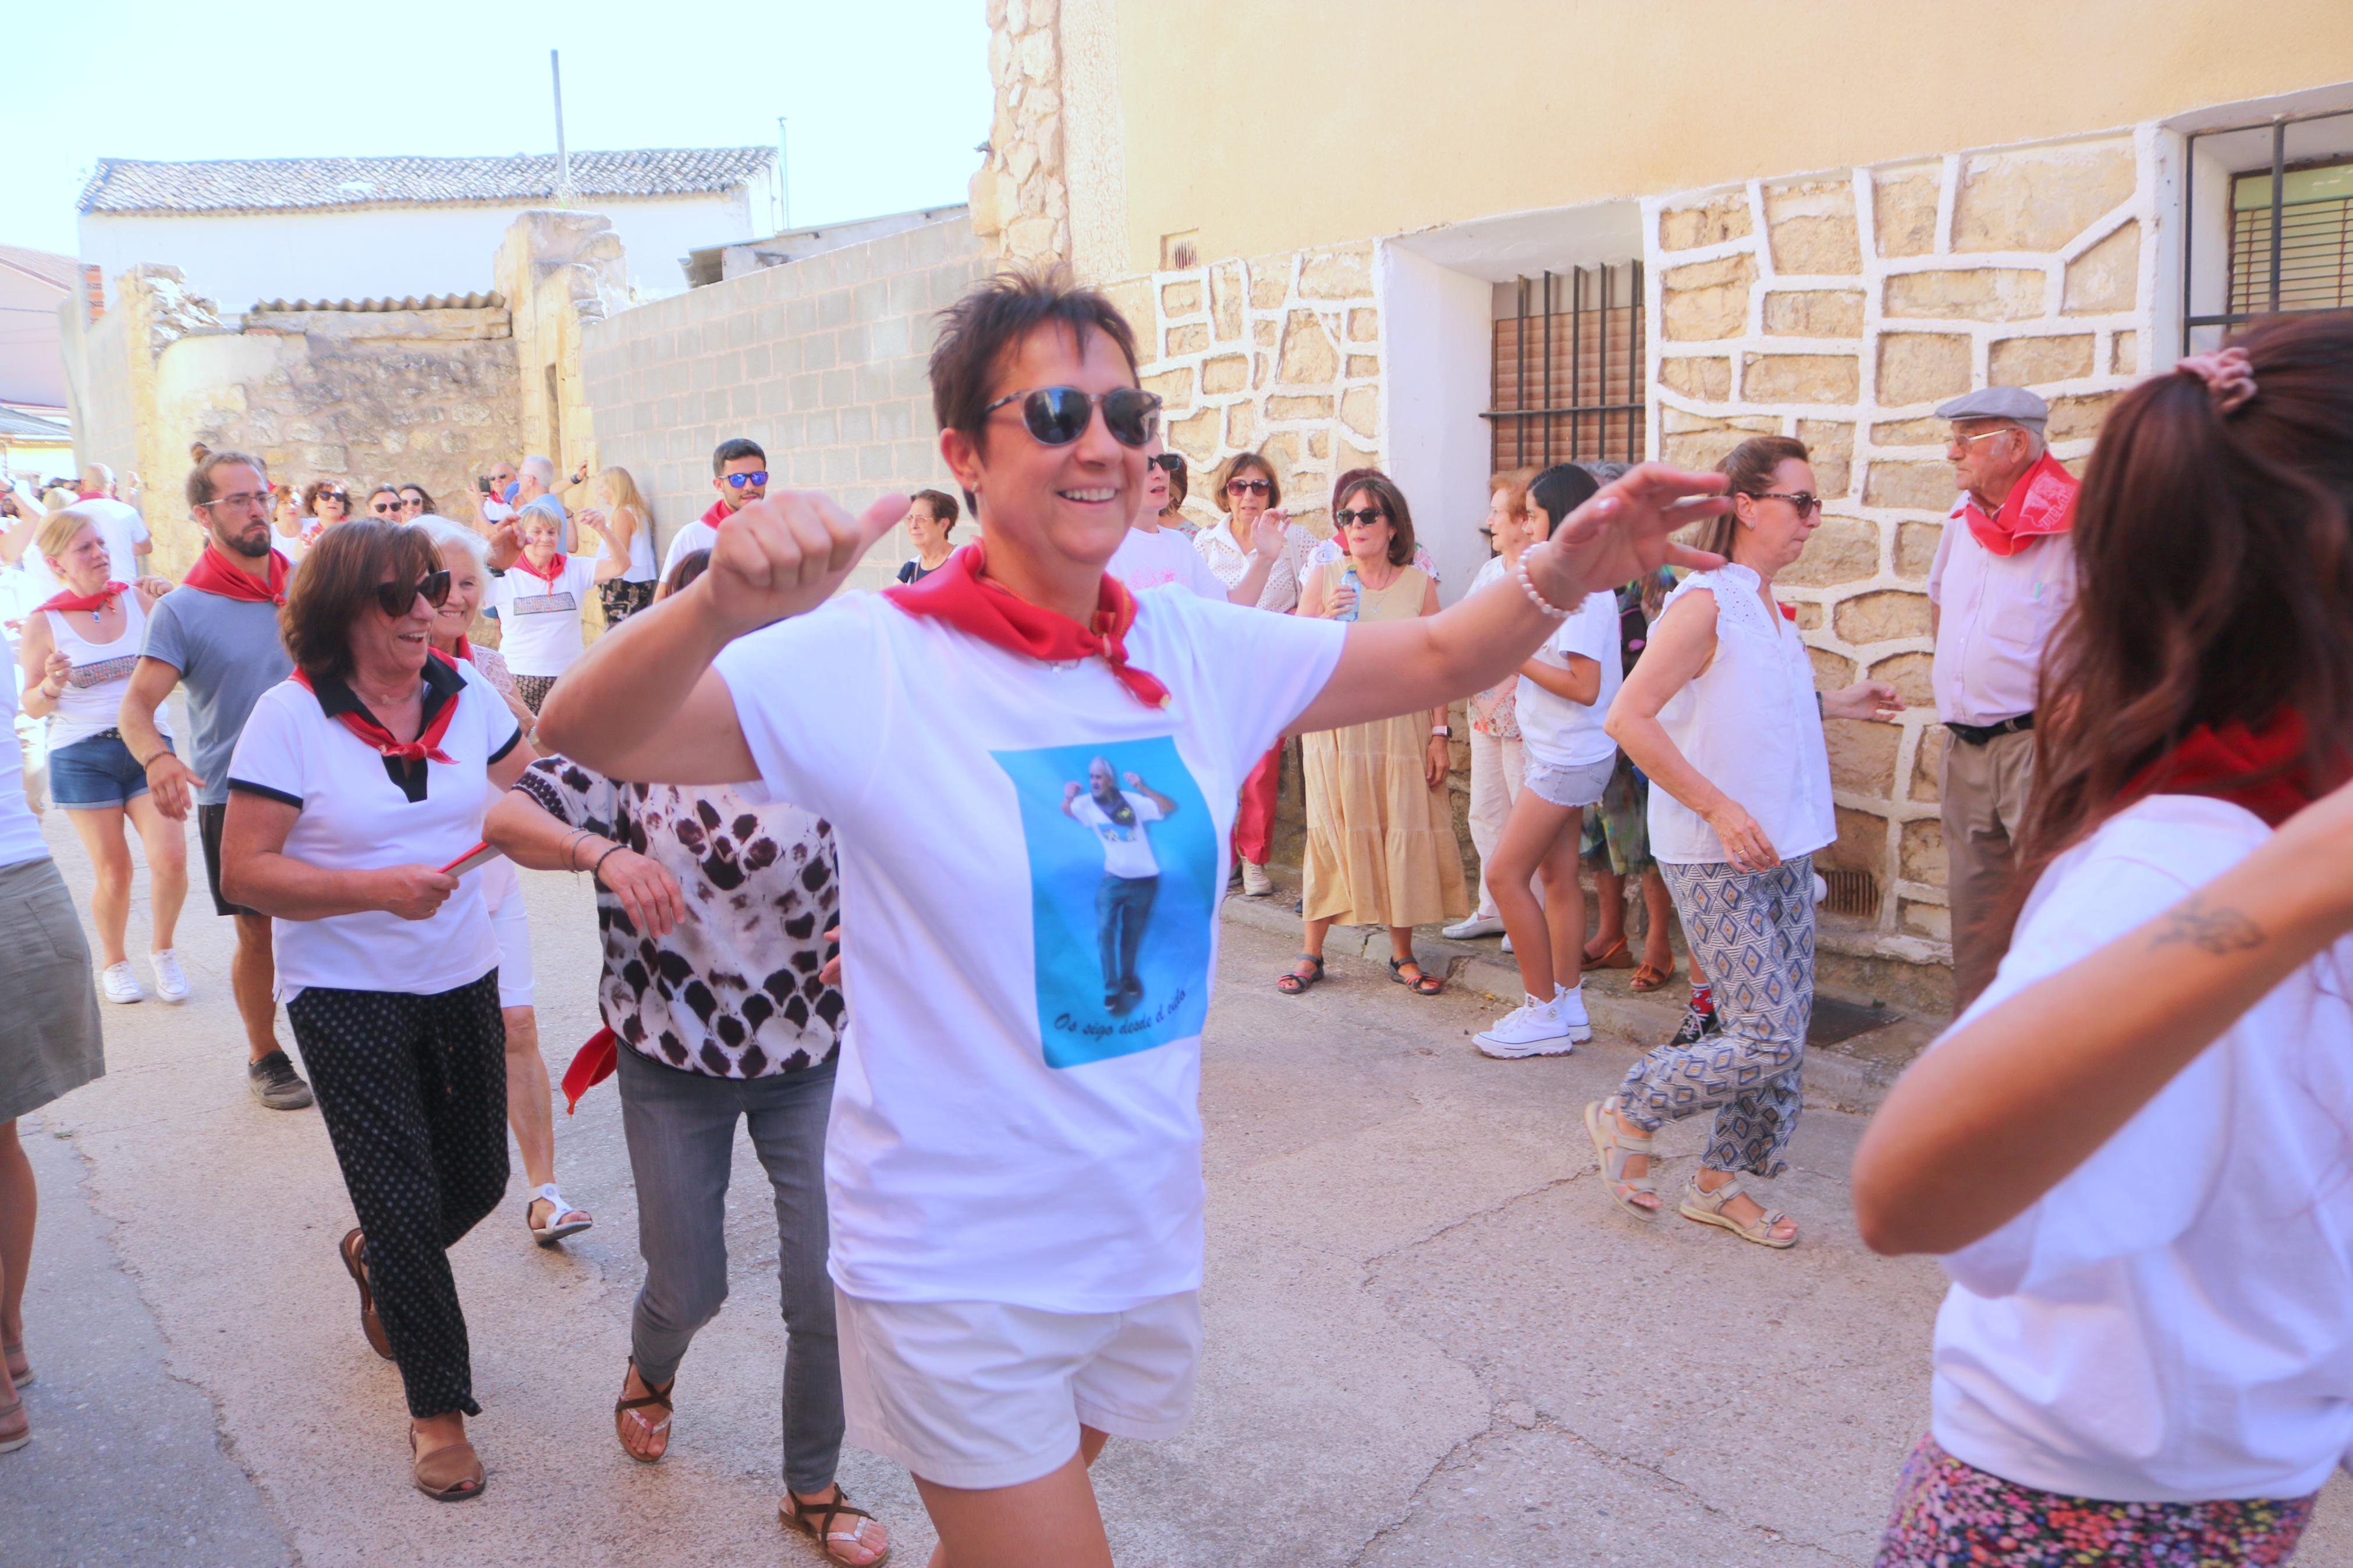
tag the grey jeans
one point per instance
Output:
(681, 1130)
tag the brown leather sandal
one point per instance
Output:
(655, 1398)
(815, 1520)
(20, 1371)
(1650, 977)
(15, 1426)
(1614, 956)
(448, 1475)
(354, 1248)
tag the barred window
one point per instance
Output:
(1567, 380)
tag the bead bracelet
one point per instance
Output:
(1538, 600)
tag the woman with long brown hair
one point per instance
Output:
(2132, 1151)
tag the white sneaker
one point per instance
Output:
(1476, 926)
(120, 984)
(1571, 1004)
(1256, 883)
(1534, 1029)
(1507, 947)
(171, 983)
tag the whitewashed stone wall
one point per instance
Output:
(1840, 308)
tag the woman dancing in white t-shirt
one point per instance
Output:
(2132, 1151)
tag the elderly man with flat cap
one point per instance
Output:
(2004, 572)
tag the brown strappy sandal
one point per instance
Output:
(656, 1398)
(448, 1475)
(354, 1245)
(815, 1520)
(20, 1371)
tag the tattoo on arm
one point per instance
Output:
(2214, 931)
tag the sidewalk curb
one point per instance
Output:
(1835, 1078)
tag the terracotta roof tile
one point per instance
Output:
(249, 185)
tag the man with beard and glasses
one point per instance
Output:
(217, 633)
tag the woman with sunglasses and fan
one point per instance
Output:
(1722, 716)
(1014, 1174)
(356, 791)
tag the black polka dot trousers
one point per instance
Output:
(414, 1092)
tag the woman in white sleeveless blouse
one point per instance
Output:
(1722, 716)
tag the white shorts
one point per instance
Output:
(977, 1395)
(512, 928)
(1579, 784)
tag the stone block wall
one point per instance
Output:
(1840, 308)
(821, 361)
(1020, 198)
(1279, 354)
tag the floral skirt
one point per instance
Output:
(1949, 1514)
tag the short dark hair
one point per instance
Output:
(685, 570)
(730, 450)
(317, 487)
(422, 493)
(337, 584)
(980, 330)
(1233, 468)
(200, 478)
(942, 505)
(1561, 489)
(1383, 489)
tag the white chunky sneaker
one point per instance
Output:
(1534, 1029)
(1476, 926)
(119, 985)
(171, 983)
(1256, 883)
(1571, 1006)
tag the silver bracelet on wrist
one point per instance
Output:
(1529, 588)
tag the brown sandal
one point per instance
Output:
(354, 1244)
(448, 1475)
(1614, 956)
(815, 1520)
(656, 1397)
(1649, 977)
(15, 1426)
(20, 1371)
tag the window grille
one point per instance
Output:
(2290, 233)
(1567, 379)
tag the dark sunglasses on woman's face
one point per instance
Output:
(395, 601)
(1170, 461)
(387, 508)
(1247, 486)
(1806, 501)
(737, 481)
(1057, 416)
(1366, 518)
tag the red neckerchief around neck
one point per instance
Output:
(2042, 503)
(69, 600)
(553, 574)
(2263, 770)
(214, 573)
(427, 744)
(963, 595)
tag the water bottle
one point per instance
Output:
(1348, 580)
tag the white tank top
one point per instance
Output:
(93, 698)
(641, 552)
(1750, 723)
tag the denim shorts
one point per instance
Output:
(95, 772)
(1577, 784)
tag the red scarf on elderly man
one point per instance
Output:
(2043, 503)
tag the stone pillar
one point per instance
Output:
(556, 271)
(1020, 198)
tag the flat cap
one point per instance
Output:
(2013, 403)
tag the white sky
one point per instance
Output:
(886, 98)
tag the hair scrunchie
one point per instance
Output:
(2229, 375)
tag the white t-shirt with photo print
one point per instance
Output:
(960, 1164)
(539, 621)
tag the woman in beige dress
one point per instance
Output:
(1380, 831)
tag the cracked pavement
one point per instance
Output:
(1431, 1340)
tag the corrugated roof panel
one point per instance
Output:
(249, 185)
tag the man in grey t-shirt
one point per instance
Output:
(222, 643)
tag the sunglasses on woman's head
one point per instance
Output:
(1247, 486)
(1057, 416)
(757, 476)
(395, 601)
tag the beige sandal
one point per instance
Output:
(1614, 1148)
(815, 1520)
(451, 1474)
(1708, 1209)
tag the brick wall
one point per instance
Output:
(821, 361)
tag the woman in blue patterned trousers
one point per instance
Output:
(1722, 716)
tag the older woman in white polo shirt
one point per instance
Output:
(356, 785)
(1722, 716)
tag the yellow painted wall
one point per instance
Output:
(1272, 124)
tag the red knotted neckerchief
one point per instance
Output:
(592, 1064)
(548, 574)
(2263, 770)
(213, 573)
(960, 594)
(69, 600)
(2042, 503)
(465, 648)
(427, 744)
